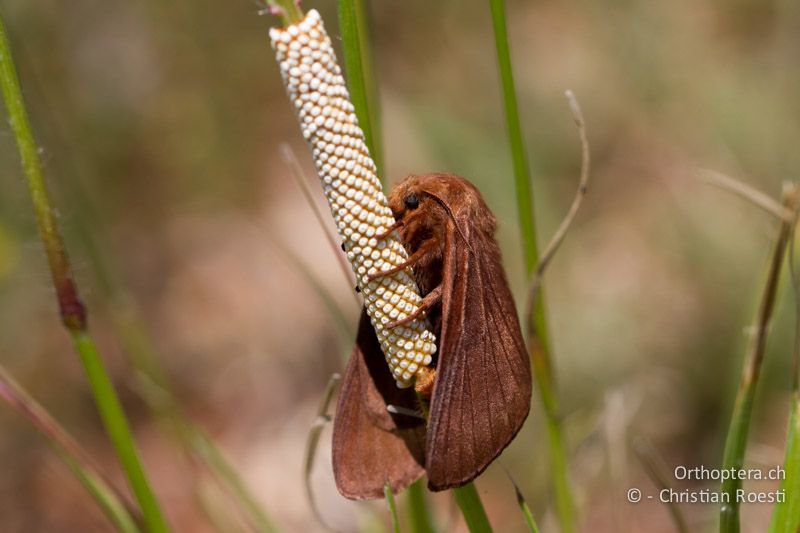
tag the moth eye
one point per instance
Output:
(411, 201)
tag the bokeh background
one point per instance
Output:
(161, 125)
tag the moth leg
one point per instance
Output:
(405, 411)
(413, 258)
(397, 224)
(428, 301)
(424, 384)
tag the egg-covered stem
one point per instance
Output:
(316, 87)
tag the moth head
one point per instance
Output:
(411, 201)
(440, 196)
(407, 197)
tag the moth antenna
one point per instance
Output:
(451, 215)
(405, 411)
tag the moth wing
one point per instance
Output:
(482, 392)
(371, 445)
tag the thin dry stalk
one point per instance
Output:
(299, 176)
(322, 419)
(563, 228)
(736, 442)
(657, 472)
(743, 190)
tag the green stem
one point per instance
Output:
(155, 390)
(527, 514)
(419, 515)
(565, 508)
(360, 77)
(786, 514)
(736, 442)
(363, 89)
(472, 508)
(522, 175)
(537, 320)
(524, 507)
(153, 384)
(72, 311)
(112, 506)
(390, 503)
(118, 430)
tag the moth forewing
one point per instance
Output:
(372, 445)
(482, 389)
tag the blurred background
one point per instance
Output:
(161, 125)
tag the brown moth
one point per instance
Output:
(479, 394)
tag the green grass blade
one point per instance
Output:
(565, 506)
(111, 505)
(156, 392)
(419, 514)
(118, 430)
(153, 385)
(217, 463)
(738, 431)
(657, 473)
(472, 509)
(537, 320)
(208, 497)
(522, 175)
(529, 520)
(524, 507)
(72, 310)
(733, 457)
(76, 459)
(389, 495)
(299, 178)
(363, 88)
(786, 514)
(361, 82)
(341, 321)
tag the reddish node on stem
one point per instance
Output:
(275, 11)
(73, 312)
